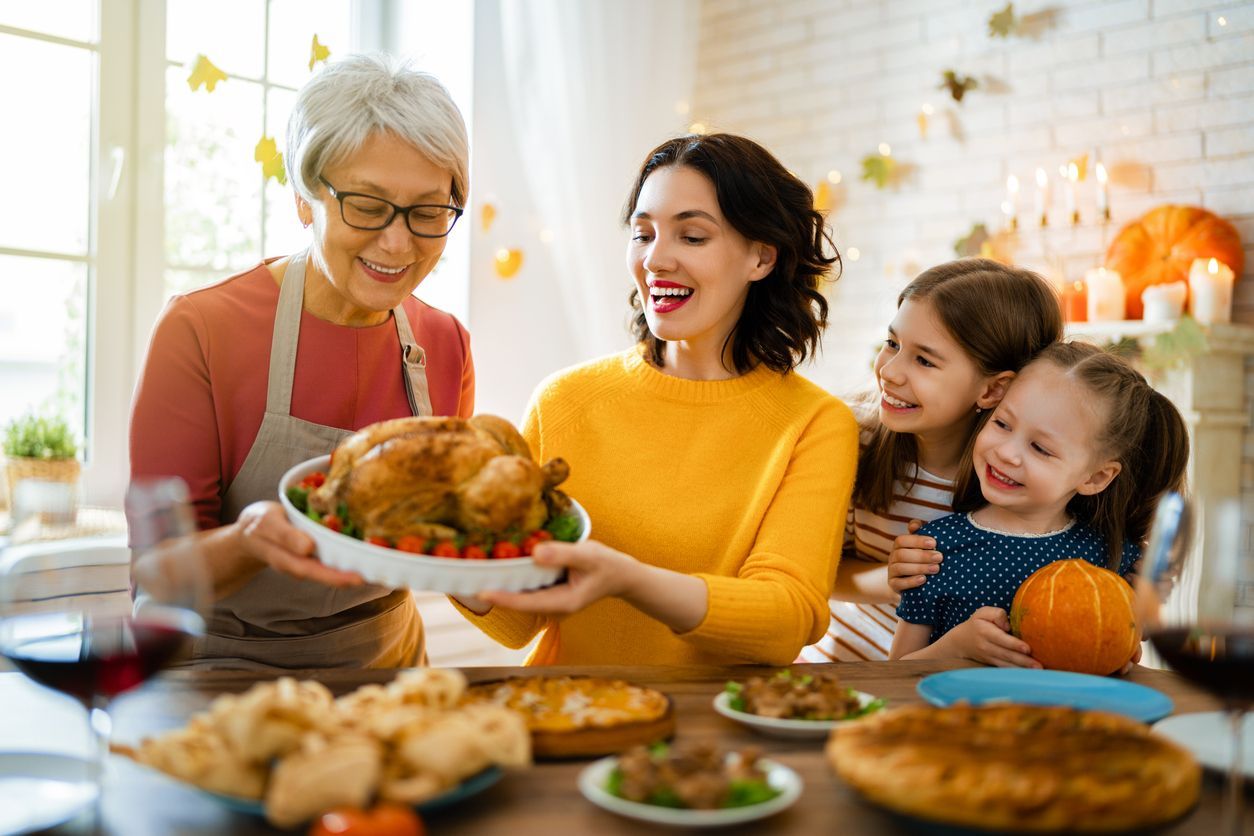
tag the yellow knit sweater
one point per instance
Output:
(743, 483)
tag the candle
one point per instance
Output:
(1011, 204)
(1164, 302)
(1074, 300)
(1042, 196)
(1210, 290)
(1073, 176)
(1103, 197)
(1106, 294)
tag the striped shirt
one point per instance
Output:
(859, 632)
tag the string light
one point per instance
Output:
(834, 177)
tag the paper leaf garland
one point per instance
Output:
(973, 242)
(317, 52)
(1003, 24)
(271, 159)
(204, 72)
(881, 169)
(957, 85)
(507, 262)
(822, 197)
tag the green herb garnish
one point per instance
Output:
(299, 497)
(746, 793)
(564, 527)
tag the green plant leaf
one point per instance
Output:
(35, 436)
(1175, 348)
(969, 244)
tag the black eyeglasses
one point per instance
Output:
(365, 211)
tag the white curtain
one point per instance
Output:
(593, 86)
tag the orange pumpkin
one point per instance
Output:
(1160, 246)
(1076, 617)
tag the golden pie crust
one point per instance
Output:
(581, 716)
(1016, 767)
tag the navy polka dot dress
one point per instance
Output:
(984, 568)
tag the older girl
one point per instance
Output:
(1071, 464)
(715, 476)
(961, 332)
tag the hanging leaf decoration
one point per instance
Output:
(204, 72)
(271, 159)
(1003, 24)
(957, 85)
(317, 52)
(922, 119)
(973, 242)
(822, 197)
(881, 169)
(507, 262)
(487, 215)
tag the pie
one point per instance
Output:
(571, 716)
(1016, 767)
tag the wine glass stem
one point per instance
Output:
(1234, 790)
(101, 728)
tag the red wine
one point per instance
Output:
(86, 657)
(1220, 658)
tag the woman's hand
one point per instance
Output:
(593, 571)
(985, 637)
(264, 534)
(912, 559)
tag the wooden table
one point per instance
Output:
(544, 799)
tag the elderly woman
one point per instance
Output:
(249, 376)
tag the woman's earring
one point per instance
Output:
(978, 410)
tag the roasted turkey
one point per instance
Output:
(438, 477)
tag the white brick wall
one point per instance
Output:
(1158, 88)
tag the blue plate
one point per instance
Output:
(476, 783)
(1038, 687)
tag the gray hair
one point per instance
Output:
(360, 95)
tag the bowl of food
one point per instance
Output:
(691, 785)
(441, 504)
(796, 705)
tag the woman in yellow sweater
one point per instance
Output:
(717, 479)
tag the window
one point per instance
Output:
(47, 261)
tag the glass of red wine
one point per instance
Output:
(1187, 603)
(93, 650)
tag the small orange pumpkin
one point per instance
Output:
(1160, 246)
(1076, 617)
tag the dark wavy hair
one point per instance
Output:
(785, 312)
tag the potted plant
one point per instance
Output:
(40, 448)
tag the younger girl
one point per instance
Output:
(1070, 465)
(961, 331)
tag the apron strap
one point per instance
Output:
(413, 364)
(286, 337)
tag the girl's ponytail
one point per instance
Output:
(1144, 432)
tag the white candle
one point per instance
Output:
(1210, 290)
(1011, 206)
(1073, 176)
(1106, 295)
(1103, 197)
(1164, 302)
(1042, 197)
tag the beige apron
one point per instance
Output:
(277, 620)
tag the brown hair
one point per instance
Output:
(785, 313)
(1149, 440)
(1001, 317)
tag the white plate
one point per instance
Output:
(592, 785)
(393, 568)
(1208, 736)
(783, 728)
(39, 790)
